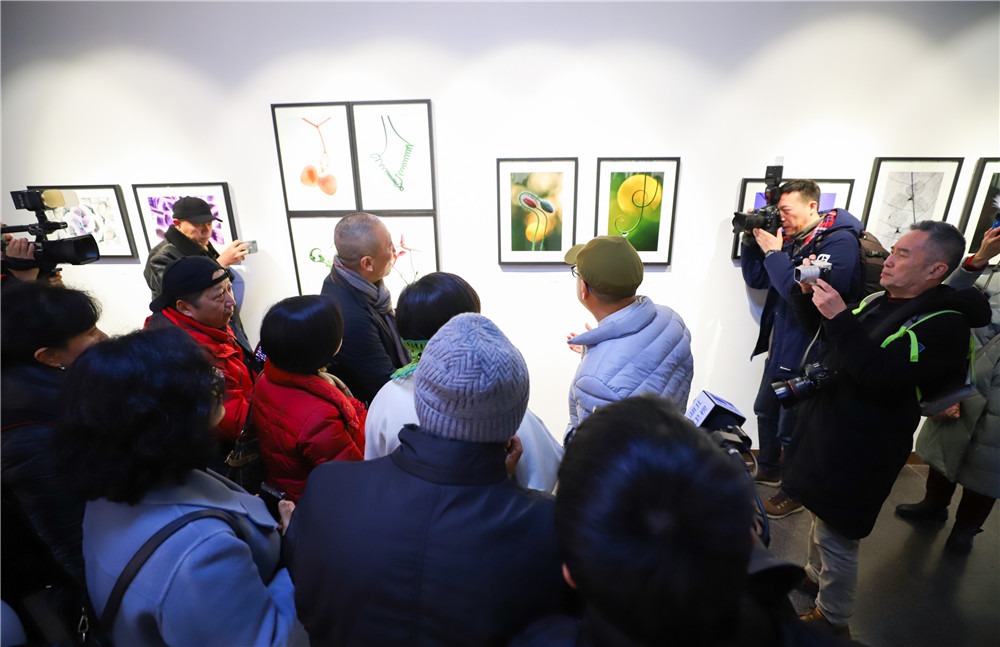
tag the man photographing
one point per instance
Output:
(897, 349)
(768, 262)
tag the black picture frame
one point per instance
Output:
(100, 212)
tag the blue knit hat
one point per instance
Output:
(471, 384)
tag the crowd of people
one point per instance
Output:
(416, 487)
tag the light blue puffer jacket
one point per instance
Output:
(644, 348)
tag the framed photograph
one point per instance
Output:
(833, 194)
(99, 211)
(156, 209)
(636, 198)
(981, 202)
(415, 238)
(394, 154)
(315, 157)
(906, 190)
(536, 204)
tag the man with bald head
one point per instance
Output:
(372, 349)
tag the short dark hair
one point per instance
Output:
(430, 302)
(354, 237)
(302, 334)
(808, 189)
(135, 414)
(36, 315)
(947, 242)
(654, 523)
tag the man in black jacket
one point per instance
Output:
(433, 544)
(899, 348)
(372, 349)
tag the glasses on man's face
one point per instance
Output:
(572, 270)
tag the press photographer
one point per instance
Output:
(896, 349)
(769, 261)
(27, 261)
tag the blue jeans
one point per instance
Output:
(775, 423)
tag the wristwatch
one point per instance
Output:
(771, 251)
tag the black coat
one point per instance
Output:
(30, 478)
(855, 434)
(431, 545)
(368, 355)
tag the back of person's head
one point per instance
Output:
(471, 383)
(654, 524)
(354, 237)
(808, 190)
(137, 413)
(945, 243)
(35, 315)
(302, 334)
(429, 302)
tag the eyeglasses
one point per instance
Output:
(572, 270)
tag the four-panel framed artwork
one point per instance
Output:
(342, 157)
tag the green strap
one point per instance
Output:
(864, 302)
(906, 330)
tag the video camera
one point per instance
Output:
(75, 250)
(767, 217)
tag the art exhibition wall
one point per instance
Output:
(143, 92)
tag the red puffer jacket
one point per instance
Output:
(302, 421)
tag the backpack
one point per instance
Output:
(872, 255)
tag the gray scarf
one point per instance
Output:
(378, 297)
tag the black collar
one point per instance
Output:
(186, 246)
(448, 462)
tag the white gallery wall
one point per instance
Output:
(145, 92)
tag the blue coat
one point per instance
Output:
(203, 585)
(430, 545)
(644, 348)
(781, 333)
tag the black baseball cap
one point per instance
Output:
(186, 276)
(194, 210)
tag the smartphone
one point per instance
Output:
(251, 246)
(271, 495)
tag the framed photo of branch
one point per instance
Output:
(394, 155)
(907, 190)
(536, 209)
(636, 198)
(156, 209)
(981, 202)
(415, 239)
(99, 211)
(315, 157)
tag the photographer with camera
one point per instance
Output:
(769, 259)
(899, 348)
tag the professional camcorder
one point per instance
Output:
(75, 250)
(814, 378)
(767, 217)
(820, 268)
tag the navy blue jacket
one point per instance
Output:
(430, 545)
(788, 337)
(368, 355)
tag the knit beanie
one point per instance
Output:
(471, 384)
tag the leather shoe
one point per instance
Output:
(922, 511)
(960, 539)
(815, 618)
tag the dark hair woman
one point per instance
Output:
(43, 330)
(424, 307)
(134, 435)
(303, 415)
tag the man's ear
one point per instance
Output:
(367, 263)
(938, 271)
(49, 357)
(568, 577)
(176, 222)
(183, 307)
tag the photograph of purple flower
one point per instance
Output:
(156, 208)
(98, 211)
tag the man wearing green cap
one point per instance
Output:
(637, 347)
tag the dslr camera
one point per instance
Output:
(814, 378)
(821, 268)
(75, 250)
(767, 217)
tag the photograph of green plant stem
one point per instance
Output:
(634, 209)
(536, 212)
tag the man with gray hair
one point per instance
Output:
(372, 349)
(888, 361)
(433, 544)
